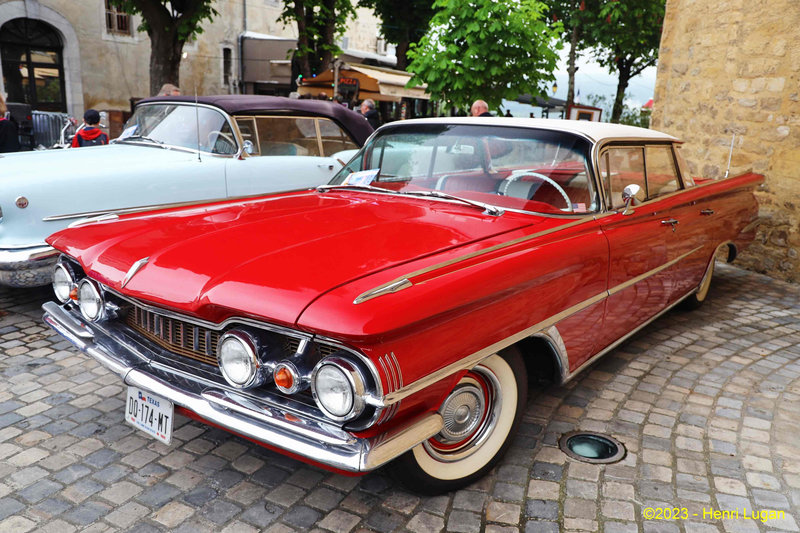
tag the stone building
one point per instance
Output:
(85, 54)
(733, 67)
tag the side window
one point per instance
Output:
(688, 180)
(662, 177)
(247, 127)
(287, 136)
(334, 139)
(620, 167)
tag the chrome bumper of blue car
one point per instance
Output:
(31, 266)
(269, 424)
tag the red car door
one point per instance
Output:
(638, 283)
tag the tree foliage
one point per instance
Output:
(318, 22)
(402, 22)
(169, 24)
(632, 116)
(629, 42)
(485, 49)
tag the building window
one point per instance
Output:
(117, 21)
(227, 65)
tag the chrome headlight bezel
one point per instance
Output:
(255, 375)
(352, 376)
(94, 292)
(64, 270)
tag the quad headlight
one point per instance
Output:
(338, 388)
(237, 356)
(90, 300)
(63, 282)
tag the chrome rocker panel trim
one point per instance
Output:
(271, 425)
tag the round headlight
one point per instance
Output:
(62, 283)
(338, 388)
(89, 300)
(236, 355)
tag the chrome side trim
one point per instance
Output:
(474, 358)
(404, 282)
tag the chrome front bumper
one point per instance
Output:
(31, 266)
(271, 425)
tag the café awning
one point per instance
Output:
(377, 83)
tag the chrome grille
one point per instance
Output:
(177, 336)
(290, 345)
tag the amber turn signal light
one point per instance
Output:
(73, 294)
(284, 378)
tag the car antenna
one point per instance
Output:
(197, 121)
(730, 155)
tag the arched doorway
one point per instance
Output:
(33, 65)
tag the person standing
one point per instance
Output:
(9, 135)
(370, 113)
(90, 134)
(479, 109)
(169, 89)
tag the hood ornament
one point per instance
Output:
(133, 270)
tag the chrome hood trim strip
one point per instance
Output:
(404, 282)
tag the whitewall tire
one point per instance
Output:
(481, 414)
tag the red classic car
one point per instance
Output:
(394, 314)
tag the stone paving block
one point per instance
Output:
(464, 522)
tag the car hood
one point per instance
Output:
(272, 256)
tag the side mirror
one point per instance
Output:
(248, 147)
(628, 196)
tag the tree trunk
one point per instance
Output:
(303, 60)
(571, 68)
(165, 59)
(624, 69)
(328, 35)
(400, 52)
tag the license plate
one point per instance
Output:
(150, 413)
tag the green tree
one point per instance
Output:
(485, 49)
(318, 24)
(169, 24)
(629, 42)
(578, 19)
(402, 22)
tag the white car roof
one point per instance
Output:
(596, 131)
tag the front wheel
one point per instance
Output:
(480, 414)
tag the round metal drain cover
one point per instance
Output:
(592, 447)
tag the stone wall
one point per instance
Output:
(733, 67)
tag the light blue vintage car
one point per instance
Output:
(175, 150)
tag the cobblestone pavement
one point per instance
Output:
(707, 403)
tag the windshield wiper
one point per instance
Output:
(487, 208)
(141, 138)
(323, 188)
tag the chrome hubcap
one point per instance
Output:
(462, 412)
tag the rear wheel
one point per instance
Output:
(480, 415)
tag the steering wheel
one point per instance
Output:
(215, 136)
(524, 173)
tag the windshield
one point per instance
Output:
(510, 167)
(188, 126)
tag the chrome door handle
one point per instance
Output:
(707, 212)
(670, 222)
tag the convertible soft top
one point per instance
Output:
(245, 104)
